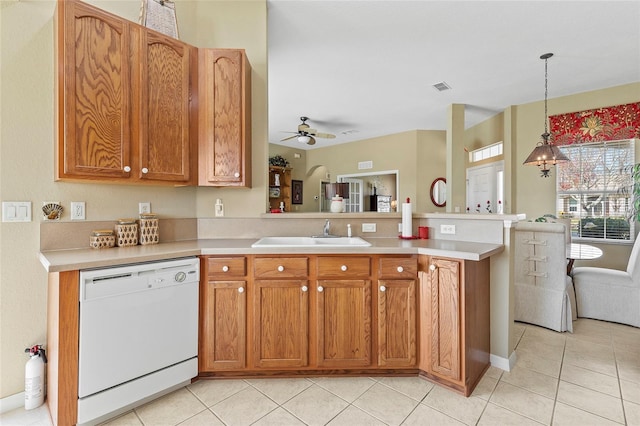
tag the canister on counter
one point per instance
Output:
(102, 238)
(127, 232)
(149, 232)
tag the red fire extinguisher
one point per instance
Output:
(34, 377)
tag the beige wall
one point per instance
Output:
(27, 150)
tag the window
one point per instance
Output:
(588, 189)
(493, 150)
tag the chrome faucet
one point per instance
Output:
(325, 229)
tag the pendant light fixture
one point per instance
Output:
(545, 154)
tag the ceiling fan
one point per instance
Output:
(307, 135)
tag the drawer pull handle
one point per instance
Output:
(236, 174)
(432, 267)
(305, 288)
(240, 289)
(400, 269)
(225, 268)
(280, 268)
(320, 288)
(127, 169)
(145, 170)
(343, 268)
(383, 288)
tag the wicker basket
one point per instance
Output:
(102, 238)
(149, 232)
(127, 232)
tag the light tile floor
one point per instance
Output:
(590, 377)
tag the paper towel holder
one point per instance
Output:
(438, 192)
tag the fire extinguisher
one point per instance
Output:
(34, 377)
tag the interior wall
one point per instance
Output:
(27, 155)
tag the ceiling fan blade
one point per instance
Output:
(304, 127)
(312, 141)
(290, 137)
(324, 135)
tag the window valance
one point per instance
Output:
(596, 125)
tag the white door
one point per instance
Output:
(485, 188)
(355, 202)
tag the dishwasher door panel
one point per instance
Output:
(126, 336)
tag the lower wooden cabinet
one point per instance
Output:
(223, 314)
(454, 321)
(295, 313)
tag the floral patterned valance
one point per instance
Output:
(596, 125)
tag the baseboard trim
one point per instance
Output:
(502, 363)
(11, 402)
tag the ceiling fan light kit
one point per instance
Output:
(545, 154)
(307, 135)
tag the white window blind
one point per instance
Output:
(589, 189)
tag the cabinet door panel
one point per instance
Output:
(344, 323)
(94, 138)
(281, 325)
(444, 281)
(164, 119)
(223, 325)
(397, 323)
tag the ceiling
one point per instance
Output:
(362, 69)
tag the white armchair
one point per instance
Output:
(610, 294)
(544, 293)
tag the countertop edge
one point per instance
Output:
(87, 258)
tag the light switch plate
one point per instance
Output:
(16, 211)
(368, 227)
(448, 229)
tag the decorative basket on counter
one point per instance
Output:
(149, 232)
(102, 238)
(127, 232)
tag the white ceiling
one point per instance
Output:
(369, 66)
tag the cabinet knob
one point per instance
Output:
(127, 169)
(144, 170)
(432, 267)
(225, 268)
(240, 289)
(383, 288)
(236, 174)
(280, 268)
(320, 288)
(343, 268)
(400, 269)
(305, 288)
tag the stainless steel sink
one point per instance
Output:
(310, 242)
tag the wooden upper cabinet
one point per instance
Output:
(224, 86)
(93, 84)
(164, 125)
(124, 107)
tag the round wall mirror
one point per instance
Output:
(438, 192)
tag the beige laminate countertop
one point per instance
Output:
(68, 260)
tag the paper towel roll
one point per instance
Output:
(407, 220)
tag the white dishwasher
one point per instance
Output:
(138, 334)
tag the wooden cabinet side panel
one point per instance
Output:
(62, 347)
(344, 323)
(477, 323)
(281, 328)
(164, 114)
(96, 97)
(397, 323)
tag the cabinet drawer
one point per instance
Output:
(343, 266)
(398, 267)
(281, 267)
(226, 266)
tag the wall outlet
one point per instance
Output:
(448, 229)
(144, 208)
(78, 211)
(368, 227)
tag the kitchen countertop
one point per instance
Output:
(74, 259)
